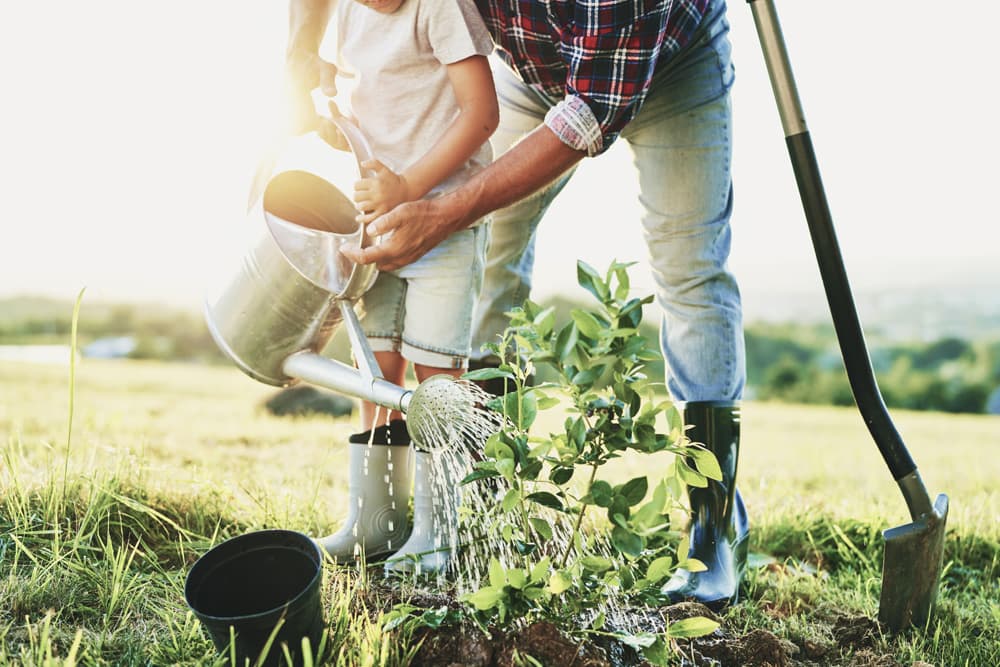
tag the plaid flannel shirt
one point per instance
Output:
(598, 55)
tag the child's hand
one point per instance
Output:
(380, 193)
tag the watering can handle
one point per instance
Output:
(363, 355)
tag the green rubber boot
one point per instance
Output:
(719, 523)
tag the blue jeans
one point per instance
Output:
(681, 142)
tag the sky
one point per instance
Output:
(130, 132)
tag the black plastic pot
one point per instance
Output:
(250, 583)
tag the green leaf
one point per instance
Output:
(696, 626)
(690, 476)
(393, 619)
(487, 374)
(596, 563)
(639, 640)
(619, 506)
(496, 448)
(601, 493)
(621, 273)
(577, 432)
(707, 464)
(588, 325)
(510, 500)
(694, 565)
(547, 402)
(479, 473)
(541, 570)
(660, 568)
(542, 527)
(531, 469)
(634, 491)
(546, 499)
(561, 475)
(658, 654)
(433, 618)
(651, 513)
(560, 581)
(521, 407)
(498, 575)
(534, 592)
(544, 321)
(517, 578)
(506, 468)
(645, 436)
(683, 548)
(587, 377)
(590, 280)
(631, 314)
(565, 342)
(485, 598)
(627, 542)
(524, 548)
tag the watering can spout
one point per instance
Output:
(436, 406)
(338, 376)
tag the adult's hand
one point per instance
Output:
(418, 226)
(408, 232)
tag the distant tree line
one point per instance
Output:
(802, 364)
(785, 362)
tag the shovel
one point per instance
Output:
(914, 551)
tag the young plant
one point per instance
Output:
(551, 485)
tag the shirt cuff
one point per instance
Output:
(575, 124)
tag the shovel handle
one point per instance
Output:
(831, 264)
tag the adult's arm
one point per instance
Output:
(531, 164)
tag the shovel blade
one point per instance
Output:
(911, 569)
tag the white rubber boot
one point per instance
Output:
(436, 497)
(379, 496)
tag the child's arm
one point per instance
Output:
(478, 116)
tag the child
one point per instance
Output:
(423, 96)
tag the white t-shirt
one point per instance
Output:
(394, 68)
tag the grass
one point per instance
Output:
(166, 460)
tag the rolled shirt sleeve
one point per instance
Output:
(576, 125)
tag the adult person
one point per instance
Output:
(580, 74)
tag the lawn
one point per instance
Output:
(99, 524)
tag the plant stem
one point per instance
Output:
(579, 518)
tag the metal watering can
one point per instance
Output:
(293, 288)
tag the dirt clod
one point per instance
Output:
(856, 631)
(682, 610)
(758, 648)
(813, 650)
(869, 658)
(461, 646)
(545, 643)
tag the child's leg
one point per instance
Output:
(423, 372)
(379, 458)
(442, 287)
(393, 367)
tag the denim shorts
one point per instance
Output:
(424, 310)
